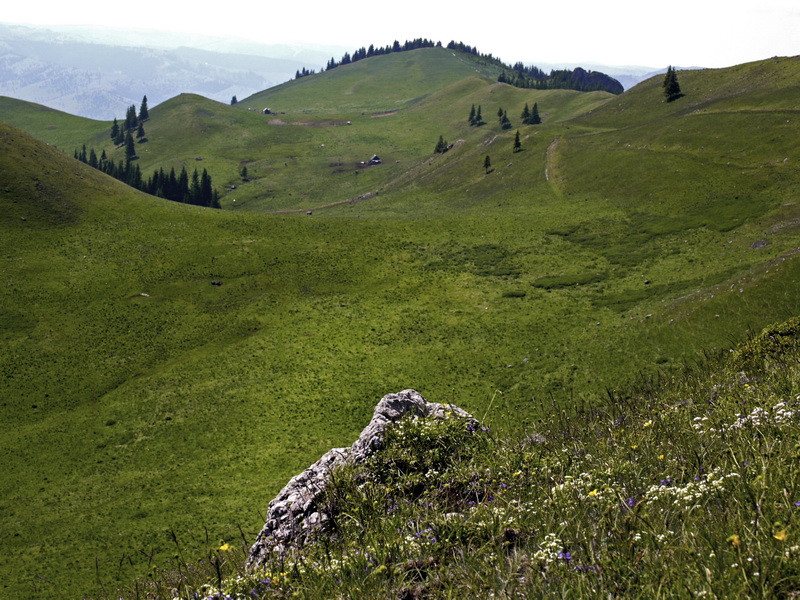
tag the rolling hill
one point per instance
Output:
(167, 368)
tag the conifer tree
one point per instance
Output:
(478, 117)
(535, 119)
(517, 143)
(472, 115)
(183, 186)
(130, 149)
(140, 132)
(487, 163)
(115, 130)
(500, 113)
(233, 100)
(93, 158)
(194, 189)
(130, 118)
(441, 146)
(672, 89)
(144, 114)
(206, 192)
(505, 123)
(244, 173)
(526, 115)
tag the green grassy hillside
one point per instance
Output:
(307, 155)
(143, 400)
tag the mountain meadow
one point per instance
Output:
(593, 294)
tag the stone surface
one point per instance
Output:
(293, 514)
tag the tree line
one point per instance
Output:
(529, 116)
(518, 75)
(560, 79)
(197, 190)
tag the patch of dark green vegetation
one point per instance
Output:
(557, 282)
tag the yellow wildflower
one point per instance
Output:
(226, 547)
(734, 540)
(781, 535)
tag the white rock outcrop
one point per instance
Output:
(293, 514)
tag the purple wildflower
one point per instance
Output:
(566, 556)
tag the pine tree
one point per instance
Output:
(140, 133)
(478, 117)
(183, 186)
(144, 114)
(526, 115)
(130, 118)
(233, 100)
(206, 192)
(505, 123)
(672, 89)
(93, 158)
(517, 143)
(500, 113)
(244, 173)
(472, 115)
(487, 163)
(115, 131)
(130, 149)
(194, 189)
(441, 146)
(535, 119)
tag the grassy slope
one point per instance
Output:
(475, 275)
(685, 488)
(423, 86)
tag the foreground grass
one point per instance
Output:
(686, 488)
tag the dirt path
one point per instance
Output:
(551, 174)
(294, 211)
(309, 123)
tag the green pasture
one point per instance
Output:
(166, 369)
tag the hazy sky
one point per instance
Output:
(708, 33)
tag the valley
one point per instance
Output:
(627, 238)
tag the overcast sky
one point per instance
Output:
(709, 33)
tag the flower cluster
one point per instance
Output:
(241, 587)
(692, 492)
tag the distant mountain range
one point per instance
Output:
(100, 80)
(99, 73)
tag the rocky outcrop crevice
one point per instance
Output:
(294, 513)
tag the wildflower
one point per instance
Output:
(566, 556)
(630, 502)
(594, 492)
(660, 457)
(734, 540)
(226, 547)
(781, 535)
(648, 424)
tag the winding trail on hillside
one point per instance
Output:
(551, 174)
